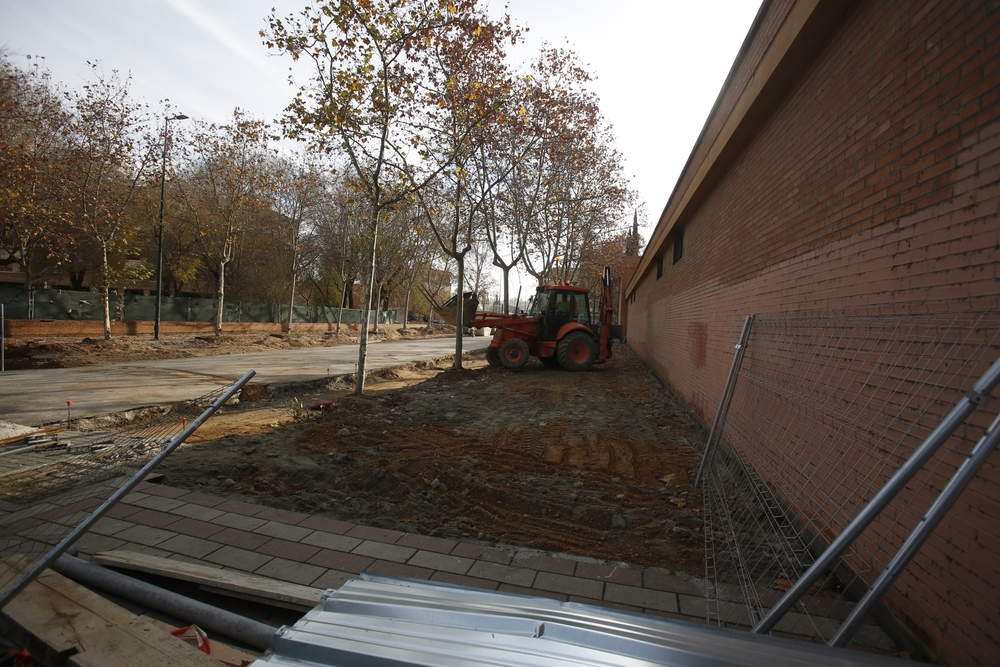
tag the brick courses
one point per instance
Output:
(874, 182)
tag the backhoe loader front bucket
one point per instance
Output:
(448, 310)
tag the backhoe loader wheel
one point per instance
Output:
(549, 362)
(577, 351)
(493, 356)
(514, 353)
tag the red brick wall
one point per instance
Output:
(876, 181)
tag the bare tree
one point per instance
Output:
(230, 181)
(112, 152)
(299, 188)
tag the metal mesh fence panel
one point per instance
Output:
(58, 304)
(52, 481)
(825, 408)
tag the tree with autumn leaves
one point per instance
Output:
(383, 95)
(423, 145)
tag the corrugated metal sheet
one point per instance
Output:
(385, 621)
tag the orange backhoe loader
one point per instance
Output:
(557, 328)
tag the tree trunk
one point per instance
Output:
(291, 299)
(459, 311)
(406, 310)
(378, 306)
(104, 293)
(76, 279)
(359, 383)
(222, 296)
(291, 304)
(340, 311)
(506, 290)
(349, 288)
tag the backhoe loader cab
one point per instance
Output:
(557, 305)
(557, 328)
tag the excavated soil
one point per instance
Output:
(597, 464)
(60, 352)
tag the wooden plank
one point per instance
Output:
(66, 624)
(232, 582)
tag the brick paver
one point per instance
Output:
(383, 551)
(336, 560)
(613, 573)
(489, 554)
(159, 503)
(109, 526)
(442, 562)
(240, 521)
(189, 546)
(154, 518)
(660, 580)
(290, 550)
(240, 559)
(327, 525)
(161, 490)
(238, 507)
(195, 511)
(460, 580)
(196, 527)
(284, 516)
(505, 574)
(240, 538)
(376, 534)
(427, 543)
(282, 530)
(641, 597)
(330, 541)
(145, 535)
(560, 583)
(324, 553)
(545, 563)
(399, 570)
(290, 570)
(203, 499)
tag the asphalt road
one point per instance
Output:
(37, 397)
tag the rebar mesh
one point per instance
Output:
(825, 408)
(50, 482)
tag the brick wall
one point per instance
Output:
(874, 182)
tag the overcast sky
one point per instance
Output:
(659, 64)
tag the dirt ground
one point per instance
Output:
(598, 464)
(60, 352)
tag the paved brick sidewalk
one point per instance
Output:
(324, 553)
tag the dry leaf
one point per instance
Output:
(668, 478)
(679, 502)
(782, 585)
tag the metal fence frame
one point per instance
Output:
(733, 482)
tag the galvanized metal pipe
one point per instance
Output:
(78, 532)
(979, 394)
(727, 394)
(205, 616)
(19, 450)
(930, 521)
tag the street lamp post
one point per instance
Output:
(159, 243)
